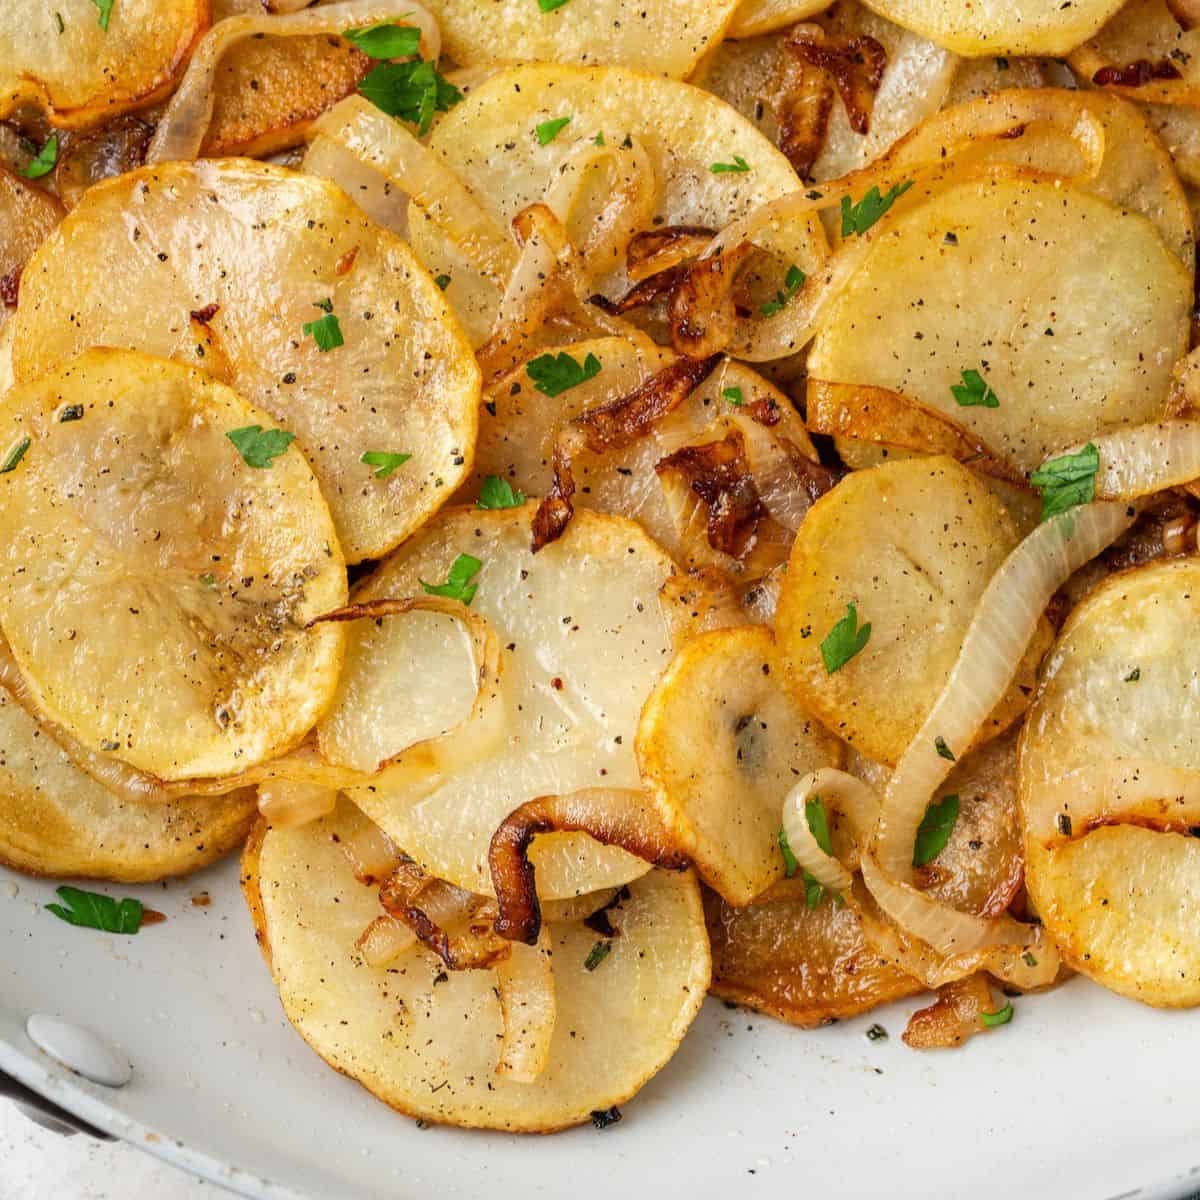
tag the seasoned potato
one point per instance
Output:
(615, 1026)
(155, 584)
(27, 215)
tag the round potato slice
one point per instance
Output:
(721, 743)
(1063, 363)
(230, 261)
(155, 583)
(27, 215)
(911, 545)
(584, 640)
(55, 820)
(62, 58)
(1121, 901)
(427, 1044)
(1000, 26)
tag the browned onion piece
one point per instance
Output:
(704, 303)
(803, 101)
(614, 817)
(112, 149)
(525, 985)
(953, 1017)
(655, 250)
(855, 65)
(1135, 74)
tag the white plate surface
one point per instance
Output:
(1083, 1095)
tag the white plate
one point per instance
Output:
(1083, 1095)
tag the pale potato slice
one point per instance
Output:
(912, 545)
(428, 1045)
(584, 640)
(83, 74)
(1064, 363)
(1000, 26)
(665, 39)
(155, 587)
(27, 215)
(489, 141)
(720, 744)
(1120, 901)
(55, 820)
(266, 246)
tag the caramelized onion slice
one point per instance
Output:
(525, 983)
(953, 1018)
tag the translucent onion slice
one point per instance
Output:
(525, 981)
(285, 803)
(839, 793)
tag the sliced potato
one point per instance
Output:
(912, 545)
(229, 260)
(1000, 26)
(27, 215)
(806, 966)
(1120, 901)
(665, 39)
(1064, 363)
(155, 587)
(721, 743)
(55, 820)
(427, 1044)
(584, 640)
(84, 74)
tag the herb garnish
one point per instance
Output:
(90, 910)
(818, 823)
(1000, 1017)
(59, 23)
(412, 91)
(934, 830)
(844, 640)
(72, 412)
(499, 493)
(598, 140)
(1067, 481)
(13, 458)
(443, 281)
(974, 392)
(734, 396)
(326, 331)
(599, 952)
(944, 751)
(792, 283)
(547, 131)
(43, 162)
(554, 374)
(1134, 675)
(104, 8)
(259, 447)
(858, 218)
(877, 1033)
(383, 461)
(458, 585)
(814, 892)
(739, 166)
(385, 40)
(550, 5)
(790, 865)
(1028, 959)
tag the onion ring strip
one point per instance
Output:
(839, 792)
(525, 983)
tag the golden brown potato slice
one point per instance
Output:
(1063, 363)
(912, 546)
(720, 744)
(428, 1045)
(584, 640)
(82, 73)
(229, 261)
(1118, 694)
(157, 583)
(806, 966)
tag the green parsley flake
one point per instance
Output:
(259, 447)
(104, 9)
(59, 23)
(1028, 959)
(814, 892)
(550, 5)
(554, 374)
(734, 396)
(412, 91)
(598, 140)
(598, 953)
(934, 830)
(1134, 675)
(792, 283)
(974, 392)
(547, 131)
(326, 331)
(458, 585)
(944, 751)
(443, 281)
(1000, 1017)
(43, 162)
(1067, 481)
(13, 458)
(858, 218)
(790, 865)
(208, 580)
(739, 166)
(90, 910)
(844, 641)
(383, 461)
(385, 40)
(72, 412)
(498, 493)
(818, 823)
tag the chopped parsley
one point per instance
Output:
(974, 392)
(935, 829)
(90, 910)
(1134, 675)
(1000, 1017)
(814, 892)
(499, 493)
(59, 23)
(547, 131)
(599, 952)
(792, 283)
(550, 5)
(104, 10)
(208, 580)
(1067, 481)
(598, 140)
(383, 461)
(443, 281)
(458, 585)
(858, 218)
(326, 331)
(43, 162)
(944, 751)
(412, 91)
(818, 823)
(790, 865)
(1028, 959)
(385, 40)
(72, 412)
(13, 458)
(739, 166)
(734, 396)
(554, 374)
(844, 640)
(877, 1033)
(259, 447)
